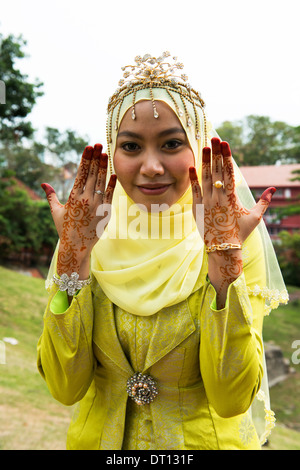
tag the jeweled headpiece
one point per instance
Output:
(155, 72)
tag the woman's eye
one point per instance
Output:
(130, 147)
(172, 144)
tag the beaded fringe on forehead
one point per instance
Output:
(155, 73)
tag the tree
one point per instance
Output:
(26, 226)
(232, 132)
(66, 147)
(290, 209)
(26, 165)
(294, 151)
(21, 94)
(256, 140)
(267, 141)
(288, 250)
(288, 254)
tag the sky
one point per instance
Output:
(243, 56)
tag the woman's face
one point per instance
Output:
(153, 156)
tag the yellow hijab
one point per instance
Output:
(139, 267)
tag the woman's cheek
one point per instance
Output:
(126, 172)
(181, 167)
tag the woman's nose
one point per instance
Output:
(152, 166)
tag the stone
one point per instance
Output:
(278, 367)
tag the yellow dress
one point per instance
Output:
(208, 365)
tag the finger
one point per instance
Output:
(102, 171)
(197, 200)
(110, 189)
(217, 167)
(228, 169)
(83, 170)
(263, 203)
(51, 196)
(206, 172)
(93, 169)
(196, 189)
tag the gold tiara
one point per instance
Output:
(155, 72)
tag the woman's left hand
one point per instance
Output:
(225, 218)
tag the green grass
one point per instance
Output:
(32, 419)
(283, 438)
(283, 328)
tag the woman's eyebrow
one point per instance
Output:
(163, 133)
(129, 134)
(173, 130)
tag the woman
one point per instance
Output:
(158, 338)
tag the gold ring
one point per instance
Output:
(218, 184)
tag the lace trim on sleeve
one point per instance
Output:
(273, 297)
(269, 417)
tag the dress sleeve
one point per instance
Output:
(65, 356)
(231, 346)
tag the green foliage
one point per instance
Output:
(21, 94)
(24, 224)
(297, 175)
(290, 209)
(64, 144)
(288, 254)
(26, 165)
(67, 148)
(257, 140)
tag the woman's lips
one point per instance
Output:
(154, 189)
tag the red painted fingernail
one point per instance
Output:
(88, 152)
(267, 194)
(226, 152)
(193, 173)
(216, 145)
(103, 160)
(113, 181)
(97, 151)
(47, 188)
(206, 155)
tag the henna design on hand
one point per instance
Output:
(76, 221)
(225, 218)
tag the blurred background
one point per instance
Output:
(60, 61)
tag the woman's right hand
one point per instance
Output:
(76, 221)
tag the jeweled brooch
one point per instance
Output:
(142, 388)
